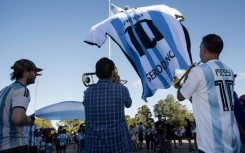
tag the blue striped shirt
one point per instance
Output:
(211, 87)
(11, 135)
(32, 139)
(106, 127)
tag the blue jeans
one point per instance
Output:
(81, 145)
(162, 144)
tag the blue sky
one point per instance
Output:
(51, 34)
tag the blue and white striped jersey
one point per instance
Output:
(151, 38)
(211, 87)
(32, 137)
(11, 135)
(62, 138)
(81, 135)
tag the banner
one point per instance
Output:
(153, 40)
(67, 110)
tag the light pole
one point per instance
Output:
(109, 41)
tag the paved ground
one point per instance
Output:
(185, 149)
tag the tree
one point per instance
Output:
(144, 115)
(70, 125)
(42, 123)
(130, 121)
(172, 111)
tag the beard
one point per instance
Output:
(30, 81)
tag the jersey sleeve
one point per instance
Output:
(21, 98)
(191, 83)
(97, 34)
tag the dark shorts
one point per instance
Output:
(33, 149)
(141, 137)
(62, 147)
(21, 149)
(168, 136)
(173, 137)
(179, 137)
(188, 135)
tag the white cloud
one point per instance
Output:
(179, 72)
(137, 84)
(240, 76)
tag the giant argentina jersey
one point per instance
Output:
(211, 87)
(151, 38)
(11, 135)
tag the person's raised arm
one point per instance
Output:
(128, 100)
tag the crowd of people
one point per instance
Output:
(161, 135)
(156, 137)
(218, 113)
(48, 140)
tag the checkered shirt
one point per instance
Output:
(107, 130)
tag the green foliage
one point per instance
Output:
(130, 121)
(42, 123)
(70, 125)
(172, 111)
(144, 115)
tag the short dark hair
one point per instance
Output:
(63, 131)
(213, 43)
(33, 118)
(242, 99)
(104, 68)
(20, 66)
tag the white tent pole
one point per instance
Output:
(109, 37)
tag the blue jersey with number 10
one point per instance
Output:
(151, 38)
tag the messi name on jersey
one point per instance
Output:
(223, 72)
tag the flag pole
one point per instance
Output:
(36, 90)
(109, 37)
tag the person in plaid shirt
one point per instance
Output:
(104, 104)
